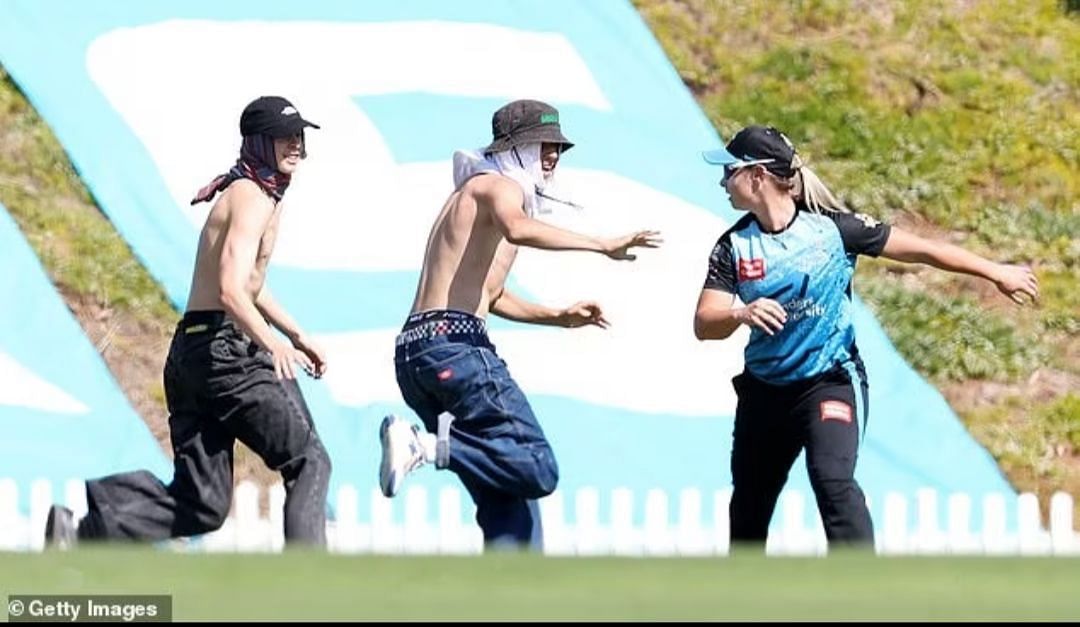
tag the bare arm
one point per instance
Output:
(247, 223)
(276, 314)
(1012, 281)
(716, 319)
(510, 306)
(505, 200)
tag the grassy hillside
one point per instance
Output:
(955, 119)
(122, 310)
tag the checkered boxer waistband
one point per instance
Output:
(430, 324)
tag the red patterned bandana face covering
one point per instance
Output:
(256, 162)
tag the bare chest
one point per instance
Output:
(266, 243)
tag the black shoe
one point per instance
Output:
(60, 529)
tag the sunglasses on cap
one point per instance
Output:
(731, 168)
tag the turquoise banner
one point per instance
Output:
(61, 413)
(146, 96)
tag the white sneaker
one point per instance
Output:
(404, 449)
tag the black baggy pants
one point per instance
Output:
(219, 387)
(772, 425)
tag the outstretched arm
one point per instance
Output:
(1012, 281)
(510, 306)
(282, 321)
(505, 200)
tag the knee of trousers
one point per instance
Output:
(210, 514)
(545, 476)
(313, 461)
(837, 489)
(322, 458)
(751, 505)
(318, 461)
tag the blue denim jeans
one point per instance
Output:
(497, 447)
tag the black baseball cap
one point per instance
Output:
(273, 116)
(761, 144)
(525, 122)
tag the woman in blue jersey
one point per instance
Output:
(790, 262)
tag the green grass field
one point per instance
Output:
(518, 587)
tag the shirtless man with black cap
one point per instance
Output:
(478, 422)
(228, 376)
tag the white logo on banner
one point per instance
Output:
(22, 388)
(352, 207)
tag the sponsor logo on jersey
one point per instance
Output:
(751, 269)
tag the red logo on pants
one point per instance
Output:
(835, 410)
(751, 269)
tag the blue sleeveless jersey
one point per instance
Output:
(807, 268)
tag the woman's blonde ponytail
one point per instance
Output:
(814, 192)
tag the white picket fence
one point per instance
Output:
(406, 526)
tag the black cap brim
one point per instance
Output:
(292, 127)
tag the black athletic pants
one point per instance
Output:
(772, 424)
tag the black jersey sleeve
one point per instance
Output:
(721, 274)
(861, 234)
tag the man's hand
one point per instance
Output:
(284, 356)
(1017, 281)
(582, 313)
(765, 314)
(619, 248)
(314, 357)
